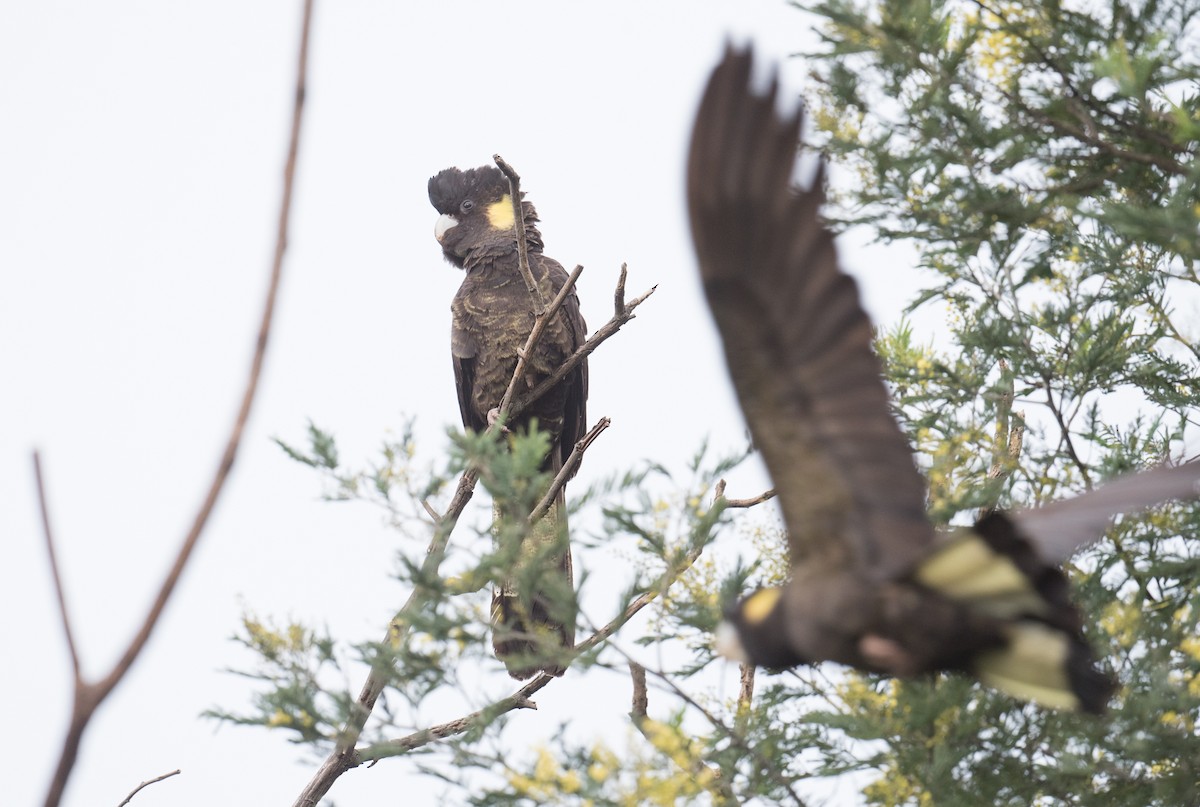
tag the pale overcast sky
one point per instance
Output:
(141, 148)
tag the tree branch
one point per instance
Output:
(745, 695)
(147, 783)
(58, 584)
(768, 767)
(514, 188)
(604, 332)
(568, 468)
(719, 495)
(641, 699)
(539, 326)
(88, 696)
(717, 784)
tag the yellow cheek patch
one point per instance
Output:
(500, 214)
(760, 604)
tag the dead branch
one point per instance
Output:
(568, 468)
(719, 495)
(599, 336)
(539, 326)
(737, 739)
(745, 696)
(619, 294)
(641, 699)
(718, 785)
(58, 585)
(514, 189)
(89, 695)
(146, 784)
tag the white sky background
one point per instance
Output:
(141, 151)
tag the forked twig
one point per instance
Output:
(597, 338)
(718, 785)
(539, 327)
(54, 571)
(568, 468)
(514, 186)
(719, 494)
(147, 783)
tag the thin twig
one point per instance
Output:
(539, 326)
(1066, 433)
(429, 509)
(718, 785)
(745, 696)
(641, 699)
(147, 783)
(58, 585)
(568, 468)
(514, 186)
(766, 495)
(604, 332)
(768, 766)
(619, 294)
(88, 696)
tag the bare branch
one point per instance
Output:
(1066, 432)
(58, 585)
(641, 700)
(737, 739)
(766, 495)
(568, 468)
(89, 696)
(619, 294)
(604, 332)
(429, 509)
(514, 189)
(147, 783)
(517, 700)
(539, 326)
(717, 784)
(745, 696)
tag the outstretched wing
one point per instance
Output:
(1060, 528)
(796, 338)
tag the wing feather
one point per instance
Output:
(797, 340)
(1060, 528)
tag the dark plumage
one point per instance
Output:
(873, 584)
(492, 316)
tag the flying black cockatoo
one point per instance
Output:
(492, 315)
(873, 584)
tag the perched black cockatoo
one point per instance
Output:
(492, 315)
(873, 584)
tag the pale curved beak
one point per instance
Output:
(444, 223)
(729, 645)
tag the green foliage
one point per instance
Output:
(1041, 158)
(438, 644)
